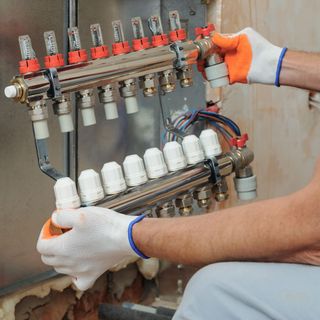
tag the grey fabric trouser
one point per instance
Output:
(252, 291)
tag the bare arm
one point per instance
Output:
(262, 231)
(301, 70)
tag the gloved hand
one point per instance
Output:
(98, 240)
(250, 58)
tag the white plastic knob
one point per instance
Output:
(90, 187)
(112, 177)
(134, 171)
(155, 164)
(88, 117)
(174, 156)
(11, 91)
(41, 130)
(246, 188)
(131, 104)
(192, 149)
(66, 194)
(210, 143)
(149, 268)
(111, 110)
(65, 122)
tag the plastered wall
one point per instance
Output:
(284, 132)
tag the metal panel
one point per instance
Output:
(26, 197)
(113, 140)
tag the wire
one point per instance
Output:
(225, 126)
(224, 119)
(225, 130)
(222, 131)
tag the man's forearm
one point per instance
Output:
(266, 230)
(301, 70)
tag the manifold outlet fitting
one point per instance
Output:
(185, 77)
(85, 102)
(203, 196)
(128, 90)
(62, 108)
(107, 97)
(39, 116)
(216, 71)
(184, 203)
(167, 80)
(245, 183)
(165, 210)
(148, 85)
(221, 191)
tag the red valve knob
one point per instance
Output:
(243, 140)
(212, 107)
(233, 142)
(140, 44)
(54, 61)
(120, 48)
(205, 31)
(240, 142)
(31, 65)
(99, 52)
(160, 40)
(77, 56)
(178, 35)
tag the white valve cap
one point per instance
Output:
(111, 110)
(112, 177)
(174, 156)
(11, 91)
(88, 117)
(131, 104)
(210, 143)
(149, 268)
(90, 187)
(192, 149)
(219, 83)
(246, 188)
(66, 194)
(217, 75)
(41, 130)
(134, 171)
(65, 122)
(155, 164)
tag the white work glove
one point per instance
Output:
(249, 57)
(98, 240)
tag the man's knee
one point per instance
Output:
(248, 290)
(205, 295)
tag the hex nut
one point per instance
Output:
(185, 200)
(165, 211)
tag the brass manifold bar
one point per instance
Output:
(167, 188)
(52, 83)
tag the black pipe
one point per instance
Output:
(118, 312)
